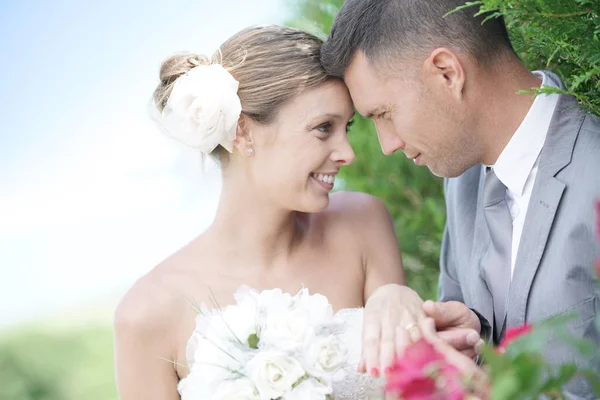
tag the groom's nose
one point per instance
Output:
(389, 141)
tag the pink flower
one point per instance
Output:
(513, 334)
(423, 373)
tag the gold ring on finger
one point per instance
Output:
(413, 332)
(411, 326)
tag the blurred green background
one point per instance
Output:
(74, 360)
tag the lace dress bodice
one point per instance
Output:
(355, 386)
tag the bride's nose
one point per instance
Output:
(343, 154)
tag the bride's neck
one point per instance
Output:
(258, 229)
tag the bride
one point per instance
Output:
(277, 123)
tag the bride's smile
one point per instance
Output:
(326, 180)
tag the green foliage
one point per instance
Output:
(521, 372)
(41, 364)
(559, 35)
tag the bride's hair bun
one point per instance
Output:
(171, 69)
(271, 64)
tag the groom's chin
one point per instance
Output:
(442, 172)
(435, 170)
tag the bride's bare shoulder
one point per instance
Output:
(356, 208)
(150, 304)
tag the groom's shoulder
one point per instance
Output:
(589, 133)
(584, 162)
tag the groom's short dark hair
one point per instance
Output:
(386, 29)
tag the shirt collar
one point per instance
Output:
(515, 163)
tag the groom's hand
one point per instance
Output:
(389, 307)
(456, 324)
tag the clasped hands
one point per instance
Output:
(395, 316)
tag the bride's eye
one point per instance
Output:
(325, 127)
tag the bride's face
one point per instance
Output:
(298, 155)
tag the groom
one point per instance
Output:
(522, 174)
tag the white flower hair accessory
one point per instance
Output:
(203, 108)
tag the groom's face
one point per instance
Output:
(411, 115)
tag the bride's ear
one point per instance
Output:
(243, 137)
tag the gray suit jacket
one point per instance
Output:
(554, 270)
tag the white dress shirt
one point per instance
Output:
(517, 165)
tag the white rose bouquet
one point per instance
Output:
(269, 345)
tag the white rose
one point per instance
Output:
(233, 323)
(196, 386)
(318, 307)
(203, 108)
(240, 321)
(324, 356)
(290, 320)
(239, 389)
(309, 389)
(274, 373)
(286, 329)
(274, 300)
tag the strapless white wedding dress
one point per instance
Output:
(353, 386)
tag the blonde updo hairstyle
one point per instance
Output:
(272, 64)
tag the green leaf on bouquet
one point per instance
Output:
(535, 341)
(514, 378)
(530, 343)
(494, 360)
(565, 374)
(529, 368)
(253, 341)
(555, 322)
(505, 387)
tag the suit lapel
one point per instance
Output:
(545, 200)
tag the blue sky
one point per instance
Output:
(92, 194)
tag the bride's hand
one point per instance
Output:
(389, 307)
